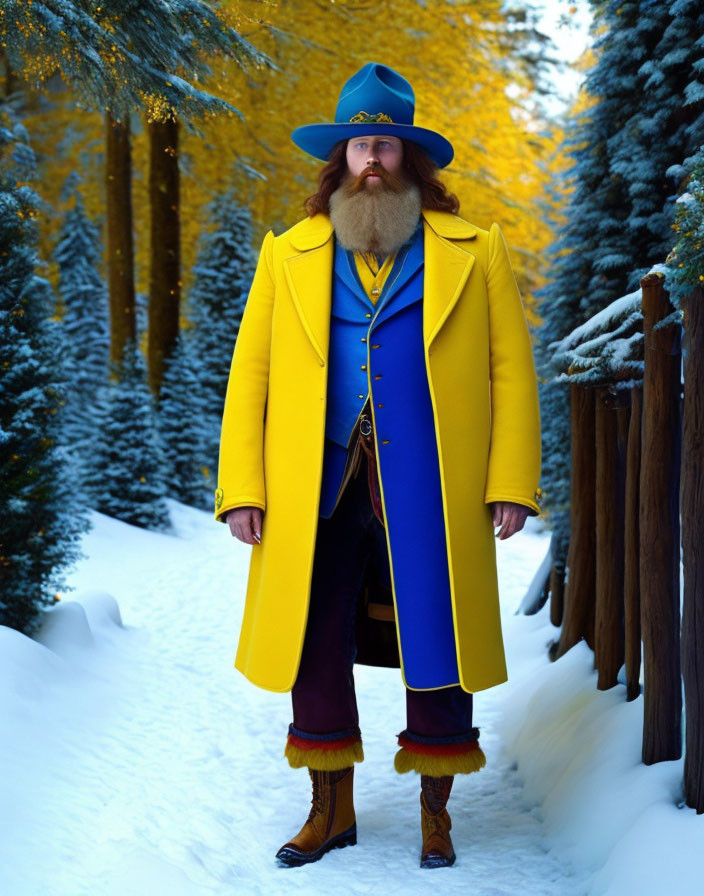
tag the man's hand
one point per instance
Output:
(509, 515)
(246, 524)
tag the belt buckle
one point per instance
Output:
(365, 426)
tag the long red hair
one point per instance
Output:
(418, 167)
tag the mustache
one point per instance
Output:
(390, 181)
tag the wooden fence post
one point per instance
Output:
(557, 595)
(581, 576)
(693, 548)
(631, 584)
(660, 528)
(610, 485)
(559, 546)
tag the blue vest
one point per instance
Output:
(353, 317)
(409, 468)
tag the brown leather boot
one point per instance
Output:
(331, 822)
(437, 851)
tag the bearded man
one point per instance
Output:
(381, 413)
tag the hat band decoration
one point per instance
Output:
(366, 117)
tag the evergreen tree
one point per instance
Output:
(664, 124)
(125, 55)
(40, 520)
(645, 115)
(181, 429)
(222, 277)
(86, 324)
(129, 479)
(685, 264)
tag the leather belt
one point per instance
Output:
(361, 444)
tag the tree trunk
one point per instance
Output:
(581, 577)
(660, 528)
(165, 271)
(118, 181)
(693, 549)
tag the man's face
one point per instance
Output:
(379, 152)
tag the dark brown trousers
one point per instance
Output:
(323, 696)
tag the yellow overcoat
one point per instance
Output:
(484, 392)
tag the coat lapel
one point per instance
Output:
(447, 267)
(309, 273)
(309, 277)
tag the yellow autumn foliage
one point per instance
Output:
(467, 83)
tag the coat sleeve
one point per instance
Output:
(241, 480)
(515, 447)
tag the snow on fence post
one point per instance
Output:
(610, 485)
(578, 621)
(631, 548)
(693, 547)
(660, 527)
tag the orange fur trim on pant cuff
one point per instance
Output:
(323, 760)
(439, 765)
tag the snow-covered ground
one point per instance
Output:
(136, 760)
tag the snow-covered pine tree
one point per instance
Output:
(645, 114)
(665, 124)
(126, 56)
(181, 430)
(554, 407)
(129, 463)
(222, 278)
(85, 321)
(685, 263)
(40, 519)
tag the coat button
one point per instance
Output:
(363, 367)
(386, 441)
(360, 396)
(380, 405)
(378, 345)
(378, 376)
(364, 338)
(367, 314)
(375, 291)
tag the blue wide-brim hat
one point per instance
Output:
(375, 100)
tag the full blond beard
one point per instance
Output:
(374, 220)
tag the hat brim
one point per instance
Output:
(318, 139)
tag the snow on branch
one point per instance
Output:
(607, 348)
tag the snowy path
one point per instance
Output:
(159, 769)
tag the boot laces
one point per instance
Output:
(319, 779)
(323, 782)
(317, 802)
